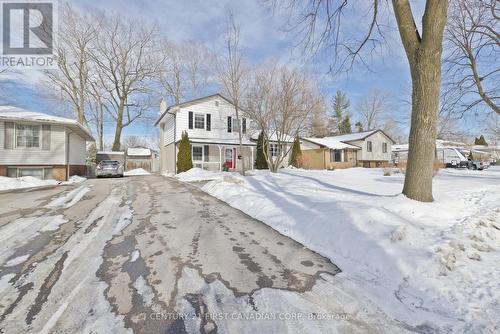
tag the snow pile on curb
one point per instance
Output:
(75, 179)
(433, 265)
(136, 172)
(198, 174)
(8, 183)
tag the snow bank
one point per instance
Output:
(433, 265)
(136, 172)
(9, 183)
(74, 179)
(198, 174)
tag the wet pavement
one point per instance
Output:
(153, 255)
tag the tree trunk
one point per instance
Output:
(424, 57)
(117, 141)
(118, 129)
(426, 80)
(240, 124)
(101, 131)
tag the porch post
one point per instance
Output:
(251, 162)
(202, 156)
(220, 158)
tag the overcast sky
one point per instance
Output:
(262, 37)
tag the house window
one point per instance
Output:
(197, 153)
(199, 121)
(235, 125)
(369, 146)
(335, 155)
(27, 136)
(229, 122)
(244, 126)
(384, 147)
(216, 103)
(42, 173)
(274, 149)
(35, 172)
(11, 172)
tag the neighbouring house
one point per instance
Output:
(139, 157)
(212, 128)
(40, 145)
(362, 149)
(327, 153)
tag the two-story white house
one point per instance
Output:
(40, 145)
(212, 128)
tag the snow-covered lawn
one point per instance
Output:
(427, 264)
(8, 183)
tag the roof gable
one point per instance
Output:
(331, 143)
(11, 113)
(361, 136)
(193, 102)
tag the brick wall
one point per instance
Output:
(59, 173)
(80, 170)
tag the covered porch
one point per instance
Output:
(220, 155)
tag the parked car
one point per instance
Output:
(109, 168)
(478, 164)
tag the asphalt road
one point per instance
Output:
(153, 255)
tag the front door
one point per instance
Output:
(229, 157)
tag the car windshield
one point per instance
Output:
(109, 163)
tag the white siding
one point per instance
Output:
(219, 116)
(307, 145)
(22, 156)
(77, 149)
(168, 134)
(376, 155)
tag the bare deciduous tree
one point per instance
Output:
(76, 35)
(134, 141)
(373, 109)
(186, 70)
(97, 110)
(231, 74)
(318, 120)
(127, 60)
(171, 75)
(279, 101)
(473, 60)
(321, 22)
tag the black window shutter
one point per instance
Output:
(190, 125)
(46, 137)
(244, 125)
(209, 122)
(229, 125)
(205, 152)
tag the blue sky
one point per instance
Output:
(262, 37)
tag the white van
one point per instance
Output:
(451, 157)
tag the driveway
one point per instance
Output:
(153, 255)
